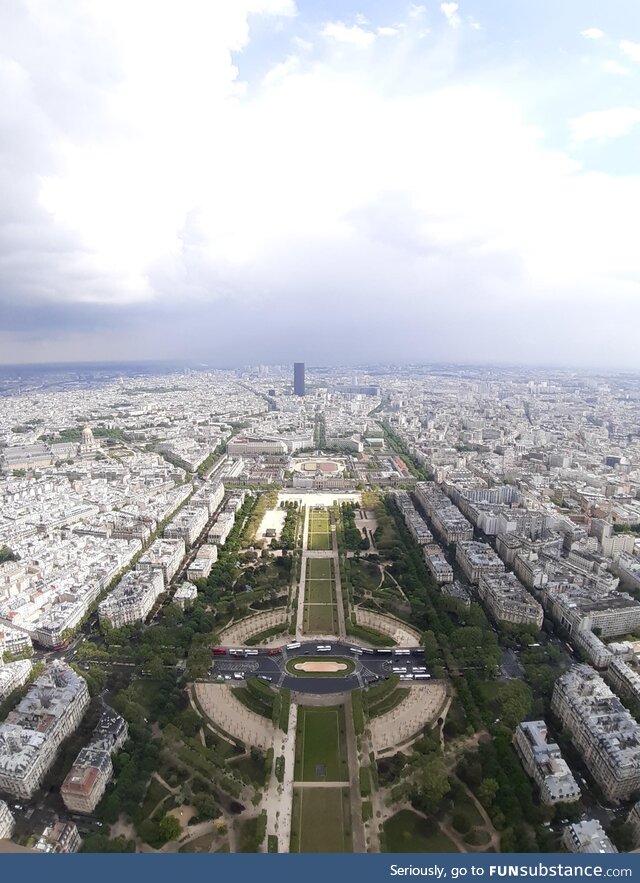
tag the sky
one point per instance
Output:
(263, 181)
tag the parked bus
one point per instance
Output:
(323, 648)
(293, 646)
(420, 677)
(402, 652)
(356, 650)
(219, 651)
(383, 650)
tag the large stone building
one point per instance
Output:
(7, 821)
(60, 837)
(92, 769)
(13, 675)
(188, 524)
(477, 559)
(33, 731)
(87, 779)
(509, 601)
(587, 837)
(437, 564)
(603, 731)
(221, 529)
(545, 764)
(165, 556)
(132, 599)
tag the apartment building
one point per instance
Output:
(595, 650)
(200, 567)
(210, 496)
(33, 731)
(221, 529)
(587, 837)
(61, 837)
(7, 821)
(477, 559)
(633, 820)
(188, 524)
(415, 523)
(132, 599)
(628, 569)
(92, 769)
(603, 731)
(579, 607)
(508, 600)
(87, 780)
(13, 675)
(457, 591)
(165, 556)
(623, 679)
(14, 642)
(185, 594)
(437, 564)
(543, 762)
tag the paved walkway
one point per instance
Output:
(357, 827)
(422, 705)
(342, 631)
(221, 706)
(278, 797)
(303, 578)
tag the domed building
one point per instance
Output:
(87, 442)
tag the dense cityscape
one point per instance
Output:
(305, 609)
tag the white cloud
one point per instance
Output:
(602, 125)
(632, 50)
(614, 67)
(387, 31)
(278, 71)
(353, 35)
(450, 12)
(592, 34)
(302, 45)
(173, 185)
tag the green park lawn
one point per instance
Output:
(320, 745)
(321, 820)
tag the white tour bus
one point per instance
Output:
(323, 648)
(293, 646)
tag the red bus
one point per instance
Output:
(219, 651)
(273, 651)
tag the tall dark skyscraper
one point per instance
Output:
(298, 378)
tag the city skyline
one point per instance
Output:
(359, 182)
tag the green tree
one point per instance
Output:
(169, 828)
(487, 791)
(431, 779)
